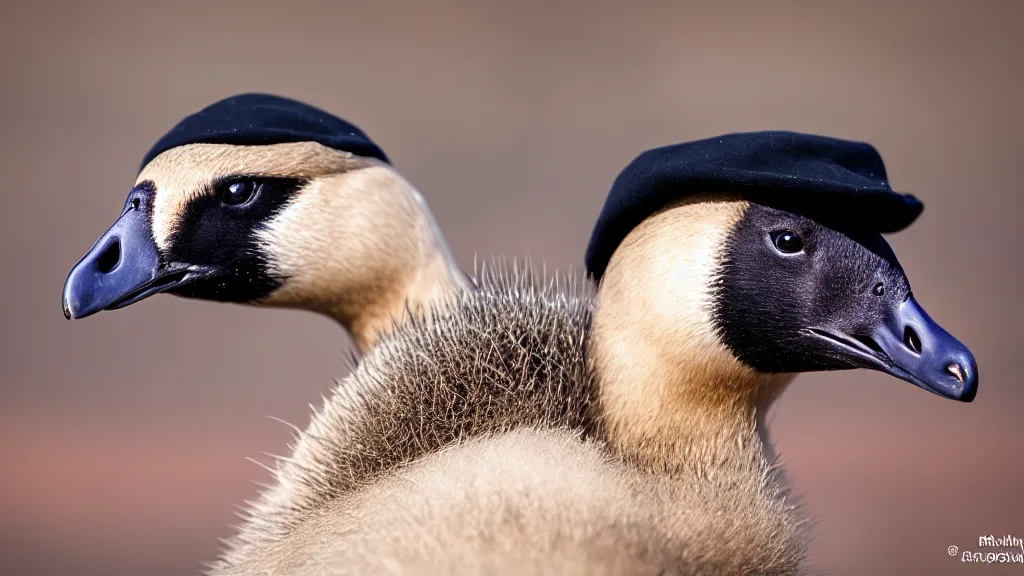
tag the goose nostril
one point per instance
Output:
(912, 340)
(956, 371)
(110, 257)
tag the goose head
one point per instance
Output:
(793, 295)
(301, 211)
(712, 296)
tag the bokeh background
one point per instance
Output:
(123, 437)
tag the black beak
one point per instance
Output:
(911, 346)
(122, 268)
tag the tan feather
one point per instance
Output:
(483, 441)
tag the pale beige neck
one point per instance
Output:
(672, 394)
(427, 288)
(672, 413)
(421, 279)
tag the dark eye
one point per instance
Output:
(787, 241)
(238, 192)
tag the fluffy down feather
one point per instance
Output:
(474, 443)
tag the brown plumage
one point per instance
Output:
(523, 427)
(481, 442)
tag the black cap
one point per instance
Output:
(253, 119)
(838, 181)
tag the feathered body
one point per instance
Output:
(524, 428)
(476, 443)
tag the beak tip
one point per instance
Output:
(65, 301)
(969, 393)
(970, 382)
(966, 376)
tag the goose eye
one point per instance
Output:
(238, 192)
(787, 241)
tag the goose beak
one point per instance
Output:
(122, 268)
(908, 344)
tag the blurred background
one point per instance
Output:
(123, 437)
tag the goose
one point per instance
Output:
(265, 200)
(544, 427)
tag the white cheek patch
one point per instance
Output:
(678, 253)
(290, 239)
(321, 240)
(348, 242)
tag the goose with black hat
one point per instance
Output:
(265, 200)
(526, 431)
(802, 278)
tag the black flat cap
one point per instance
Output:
(837, 181)
(253, 119)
